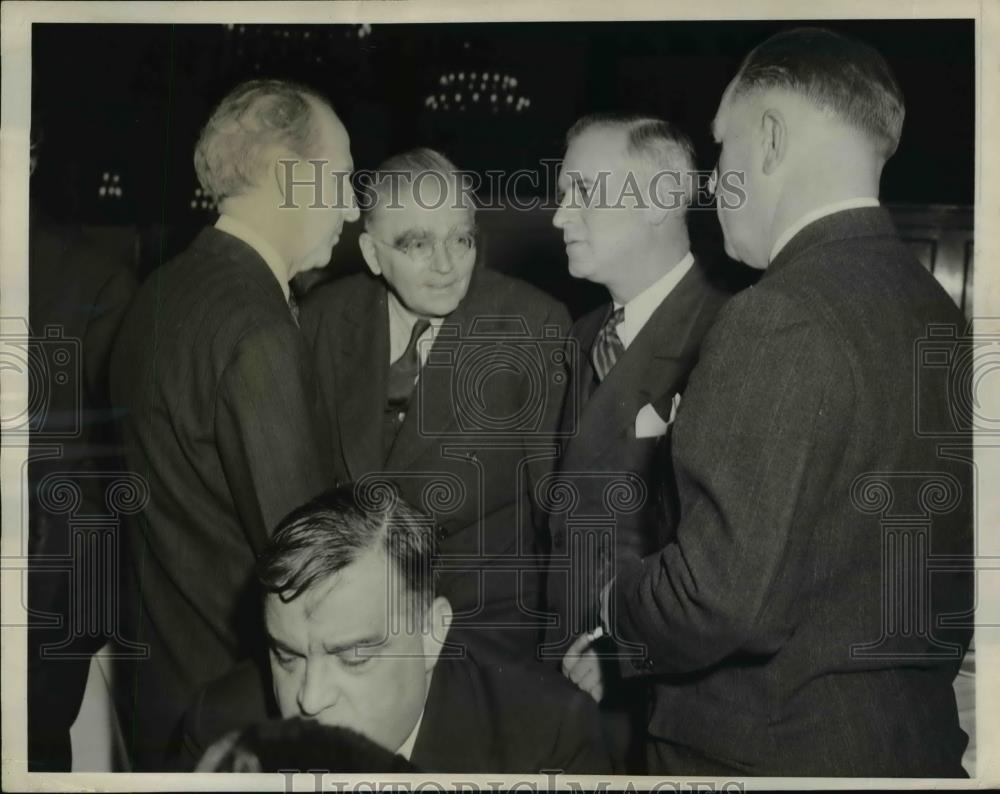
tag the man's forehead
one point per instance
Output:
(333, 133)
(424, 207)
(723, 112)
(600, 148)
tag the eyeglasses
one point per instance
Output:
(421, 249)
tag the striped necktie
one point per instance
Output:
(608, 346)
(293, 307)
(403, 372)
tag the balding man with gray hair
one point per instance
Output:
(447, 378)
(222, 408)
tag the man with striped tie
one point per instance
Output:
(624, 186)
(221, 408)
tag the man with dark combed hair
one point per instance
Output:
(776, 631)
(357, 635)
(221, 407)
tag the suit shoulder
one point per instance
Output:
(328, 300)
(512, 294)
(544, 721)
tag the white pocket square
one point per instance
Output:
(649, 423)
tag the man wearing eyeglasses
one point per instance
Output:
(446, 380)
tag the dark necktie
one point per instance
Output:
(608, 347)
(293, 307)
(403, 372)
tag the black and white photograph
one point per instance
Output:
(562, 395)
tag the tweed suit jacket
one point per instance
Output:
(809, 427)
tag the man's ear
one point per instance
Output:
(283, 173)
(368, 251)
(437, 621)
(670, 195)
(774, 139)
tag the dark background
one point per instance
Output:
(129, 100)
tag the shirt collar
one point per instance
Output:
(406, 748)
(275, 263)
(815, 215)
(401, 322)
(641, 307)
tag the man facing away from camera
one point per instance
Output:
(625, 188)
(446, 378)
(359, 639)
(223, 418)
(764, 617)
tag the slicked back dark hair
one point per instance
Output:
(836, 73)
(328, 533)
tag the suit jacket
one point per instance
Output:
(81, 293)
(602, 455)
(772, 622)
(223, 423)
(478, 717)
(477, 436)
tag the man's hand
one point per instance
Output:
(582, 666)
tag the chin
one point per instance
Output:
(579, 268)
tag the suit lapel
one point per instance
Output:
(362, 354)
(455, 733)
(654, 363)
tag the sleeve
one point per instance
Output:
(106, 316)
(269, 429)
(580, 746)
(555, 351)
(756, 443)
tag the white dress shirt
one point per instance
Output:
(815, 215)
(406, 748)
(401, 322)
(239, 230)
(641, 307)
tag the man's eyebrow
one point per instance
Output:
(347, 646)
(409, 234)
(577, 177)
(274, 642)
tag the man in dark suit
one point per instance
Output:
(632, 357)
(470, 437)
(223, 416)
(772, 620)
(78, 296)
(359, 639)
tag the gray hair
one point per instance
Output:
(659, 142)
(836, 74)
(253, 116)
(405, 168)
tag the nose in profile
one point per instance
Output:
(318, 689)
(561, 218)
